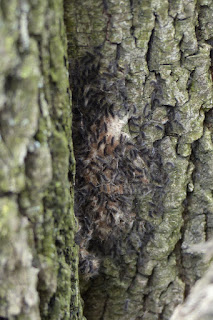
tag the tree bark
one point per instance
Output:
(141, 78)
(199, 303)
(38, 259)
(148, 65)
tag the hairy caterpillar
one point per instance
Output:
(110, 167)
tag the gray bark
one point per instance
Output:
(152, 61)
(199, 303)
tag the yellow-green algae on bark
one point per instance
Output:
(39, 259)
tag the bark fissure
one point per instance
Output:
(149, 49)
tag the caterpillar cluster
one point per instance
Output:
(108, 164)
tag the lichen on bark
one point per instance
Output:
(39, 258)
(155, 64)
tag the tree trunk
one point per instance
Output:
(141, 78)
(199, 303)
(38, 259)
(142, 99)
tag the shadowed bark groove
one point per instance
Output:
(140, 76)
(198, 304)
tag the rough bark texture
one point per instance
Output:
(38, 256)
(141, 76)
(199, 303)
(152, 61)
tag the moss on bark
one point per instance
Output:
(156, 61)
(39, 259)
